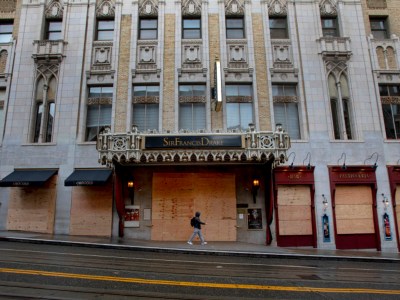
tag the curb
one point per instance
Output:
(203, 251)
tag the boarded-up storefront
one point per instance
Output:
(177, 196)
(33, 208)
(394, 178)
(91, 205)
(353, 202)
(91, 210)
(294, 197)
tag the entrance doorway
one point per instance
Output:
(177, 196)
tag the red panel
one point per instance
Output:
(295, 240)
(356, 241)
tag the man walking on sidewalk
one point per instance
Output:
(197, 229)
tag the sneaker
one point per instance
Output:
(190, 243)
(205, 243)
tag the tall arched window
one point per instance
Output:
(44, 111)
(339, 94)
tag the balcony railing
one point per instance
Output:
(335, 46)
(48, 50)
(193, 147)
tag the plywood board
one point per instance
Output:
(294, 210)
(353, 210)
(295, 227)
(294, 195)
(358, 194)
(354, 226)
(91, 210)
(33, 208)
(177, 196)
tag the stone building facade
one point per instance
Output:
(277, 119)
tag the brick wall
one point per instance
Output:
(123, 74)
(169, 74)
(264, 109)
(214, 50)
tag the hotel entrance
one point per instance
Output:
(161, 180)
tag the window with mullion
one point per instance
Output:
(98, 114)
(278, 28)
(379, 28)
(145, 116)
(329, 27)
(286, 111)
(148, 29)
(105, 30)
(235, 28)
(391, 110)
(192, 107)
(191, 28)
(53, 31)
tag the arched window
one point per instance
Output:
(44, 111)
(339, 94)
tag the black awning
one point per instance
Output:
(27, 178)
(88, 177)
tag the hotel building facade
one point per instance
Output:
(278, 120)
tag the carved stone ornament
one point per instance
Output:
(148, 8)
(54, 10)
(234, 8)
(277, 8)
(191, 8)
(337, 68)
(328, 8)
(106, 8)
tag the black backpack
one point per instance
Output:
(192, 221)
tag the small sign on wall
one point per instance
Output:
(386, 227)
(132, 216)
(325, 228)
(254, 218)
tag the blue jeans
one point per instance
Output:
(197, 232)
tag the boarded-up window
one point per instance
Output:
(354, 210)
(177, 196)
(294, 210)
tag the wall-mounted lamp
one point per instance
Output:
(385, 201)
(131, 190)
(344, 161)
(254, 189)
(369, 158)
(324, 202)
(294, 156)
(309, 160)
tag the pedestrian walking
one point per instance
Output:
(196, 223)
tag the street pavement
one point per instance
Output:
(212, 248)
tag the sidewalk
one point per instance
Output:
(213, 248)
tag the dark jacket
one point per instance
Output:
(198, 223)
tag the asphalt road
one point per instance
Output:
(31, 271)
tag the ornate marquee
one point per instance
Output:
(133, 147)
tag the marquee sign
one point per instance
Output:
(198, 141)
